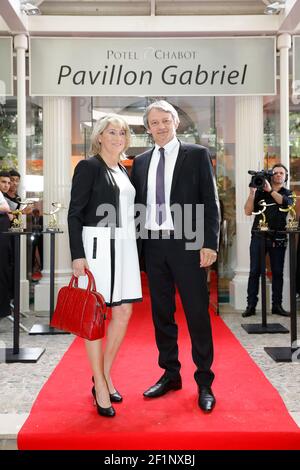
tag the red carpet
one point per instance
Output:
(249, 413)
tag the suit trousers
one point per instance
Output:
(168, 264)
(277, 255)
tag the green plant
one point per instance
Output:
(8, 143)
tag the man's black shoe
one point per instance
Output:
(163, 386)
(278, 310)
(206, 399)
(250, 310)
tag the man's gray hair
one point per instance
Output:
(162, 105)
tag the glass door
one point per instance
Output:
(206, 121)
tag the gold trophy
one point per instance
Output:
(292, 223)
(52, 223)
(263, 224)
(17, 223)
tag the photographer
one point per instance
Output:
(273, 192)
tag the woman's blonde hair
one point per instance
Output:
(101, 125)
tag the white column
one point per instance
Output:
(283, 45)
(57, 183)
(21, 45)
(249, 156)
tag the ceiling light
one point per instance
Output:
(274, 8)
(30, 9)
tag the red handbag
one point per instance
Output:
(80, 311)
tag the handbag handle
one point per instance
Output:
(91, 282)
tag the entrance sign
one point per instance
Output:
(6, 73)
(152, 66)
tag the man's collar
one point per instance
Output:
(278, 189)
(169, 147)
(12, 197)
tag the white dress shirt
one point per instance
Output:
(171, 153)
(3, 202)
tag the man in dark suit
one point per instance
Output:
(179, 238)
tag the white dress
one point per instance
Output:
(101, 242)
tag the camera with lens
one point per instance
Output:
(259, 178)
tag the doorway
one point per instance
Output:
(207, 121)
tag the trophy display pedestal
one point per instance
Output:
(264, 327)
(292, 353)
(47, 329)
(17, 354)
(51, 230)
(284, 354)
(23, 355)
(258, 328)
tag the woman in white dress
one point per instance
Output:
(102, 239)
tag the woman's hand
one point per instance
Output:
(79, 265)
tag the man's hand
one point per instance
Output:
(79, 266)
(27, 210)
(249, 204)
(267, 187)
(207, 257)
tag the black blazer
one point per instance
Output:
(93, 184)
(193, 183)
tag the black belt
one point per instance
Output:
(158, 234)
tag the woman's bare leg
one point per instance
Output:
(115, 335)
(96, 358)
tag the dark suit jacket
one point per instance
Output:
(193, 183)
(92, 185)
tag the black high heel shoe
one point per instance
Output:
(115, 397)
(107, 412)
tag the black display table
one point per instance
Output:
(17, 354)
(264, 327)
(47, 329)
(292, 353)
